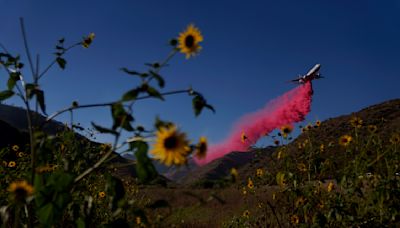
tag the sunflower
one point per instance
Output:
(202, 148)
(20, 154)
(102, 194)
(246, 214)
(250, 184)
(21, 189)
(345, 140)
(330, 186)
(295, 219)
(301, 167)
(395, 139)
(138, 220)
(12, 164)
(318, 123)
(322, 148)
(15, 148)
(300, 201)
(234, 173)
(243, 137)
(356, 122)
(277, 142)
(286, 129)
(88, 40)
(260, 172)
(171, 146)
(372, 128)
(188, 41)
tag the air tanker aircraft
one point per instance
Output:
(311, 75)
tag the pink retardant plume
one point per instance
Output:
(290, 108)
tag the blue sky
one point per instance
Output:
(250, 50)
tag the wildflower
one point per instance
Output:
(260, 172)
(243, 137)
(250, 184)
(300, 146)
(102, 194)
(356, 122)
(345, 140)
(286, 130)
(138, 220)
(21, 189)
(318, 123)
(395, 139)
(188, 41)
(321, 205)
(308, 127)
(301, 167)
(322, 148)
(88, 40)
(299, 201)
(246, 214)
(171, 146)
(260, 205)
(201, 148)
(372, 128)
(276, 142)
(12, 164)
(295, 219)
(244, 191)
(303, 130)
(15, 148)
(234, 173)
(330, 186)
(20, 154)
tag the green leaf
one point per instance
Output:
(80, 223)
(130, 95)
(104, 130)
(30, 90)
(40, 99)
(160, 80)
(61, 62)
(46, 214)
(154, 93)
(144, 167)
(131, 72)
(6, 94)
(12, 80)
(121, 117)
(199, 103)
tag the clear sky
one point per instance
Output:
(250, 50)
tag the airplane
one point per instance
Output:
(311, 75)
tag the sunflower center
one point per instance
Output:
(21, 192)
(171, 142)
(344, 140)
(189, 41)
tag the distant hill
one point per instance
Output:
(386, 116)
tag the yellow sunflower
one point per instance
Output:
(243, 137)
(322, 148)
(395, 139)
(250, 184)
(12, 164)
(102, 194)
(286, 130)
(345, 140)
(301, 167)
(356, 122)
(277, 142)
(246, 214)
(171, 146)
(300, 201)
(372, 128)
(318, 123)
(202, 148)
(234, 174)
(15, 148)
(295, 219)
(330, 186)
(260, 172)
(88, 40)
(188, 41)
(21, 189)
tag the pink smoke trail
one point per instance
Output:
(291, 107)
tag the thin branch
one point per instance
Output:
(107, 104)
(28, 53)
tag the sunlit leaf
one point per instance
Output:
(6, 94)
